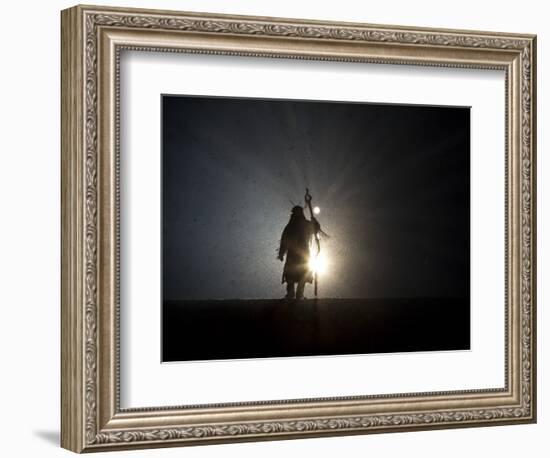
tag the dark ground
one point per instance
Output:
(228, 329)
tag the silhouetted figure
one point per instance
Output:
(295, 244)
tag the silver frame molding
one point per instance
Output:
(92, 39)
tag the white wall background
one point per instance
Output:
(29, 240)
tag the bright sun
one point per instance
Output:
(318, 263)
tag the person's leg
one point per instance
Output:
(290, 290)
(300, 290)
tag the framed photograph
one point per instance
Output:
(278, 228)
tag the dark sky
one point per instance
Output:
(392, 182)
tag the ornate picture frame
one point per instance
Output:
(92, 40)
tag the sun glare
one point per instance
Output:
(316, 210)
(318, 264)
